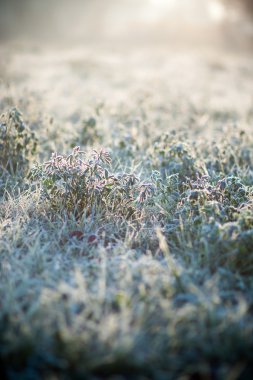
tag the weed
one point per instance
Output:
(81, 184)
(17, 143)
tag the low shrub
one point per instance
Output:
(172, 156)
(17, 143)
(230, 156)
(83, 184)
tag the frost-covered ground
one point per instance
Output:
(128, 288)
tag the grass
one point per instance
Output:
(138, 265)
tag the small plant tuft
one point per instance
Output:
(17, 143)
(84, 184)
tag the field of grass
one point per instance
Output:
(134, 261)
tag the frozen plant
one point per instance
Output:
(17, 143)
(79, 183)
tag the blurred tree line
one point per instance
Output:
(89, 18)
(246, 6)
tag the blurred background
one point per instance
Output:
(223, 22)
(168, 63)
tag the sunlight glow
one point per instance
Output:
(216, 11)
(194, 10)
(162, 4)
(156, 9)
